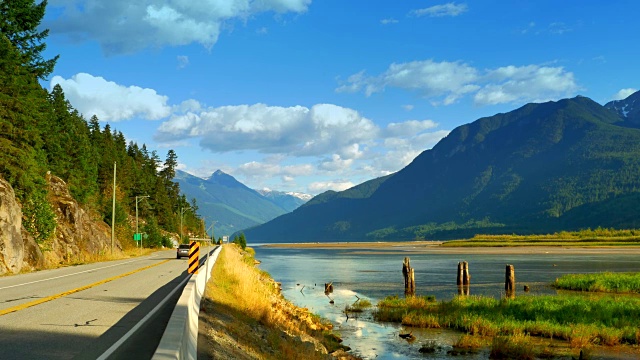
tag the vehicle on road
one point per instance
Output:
(182, 250)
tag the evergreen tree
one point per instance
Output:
(19, 20)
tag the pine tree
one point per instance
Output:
(19, 20)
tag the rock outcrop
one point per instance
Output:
(18, 250)
(77, 235)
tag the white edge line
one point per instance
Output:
(129, 333)
(77, 273)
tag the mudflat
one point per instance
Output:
(435, 247)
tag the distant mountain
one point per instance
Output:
(628, 109)
(231, 204)
(544, 167)
(286, 200)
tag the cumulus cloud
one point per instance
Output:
(93, 95)
(156, 23)
(448, 9)
(331, 141)
(322, 186)
(525, 83)
(296, 130)
(623, 93)
(446, 82)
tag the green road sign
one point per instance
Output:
(137, 237)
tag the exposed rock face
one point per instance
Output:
(18, 250)
(77, 235)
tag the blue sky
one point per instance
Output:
(309, 96)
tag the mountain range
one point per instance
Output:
(232, 205)
(544, 167)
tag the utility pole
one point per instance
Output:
(212, 234)
(137, 233)
(113, 209)
(182, 210)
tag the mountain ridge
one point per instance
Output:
(231, 204)
(527, 170)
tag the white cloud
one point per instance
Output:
(183, 61)
(93, 95)
(156, 23)
(525, 83)
(445, 79)
(448, 9)
(388, 21)
(623, 93)
(410, 127)
(336, 163)
(446, 82)
(296, 130)
(322, 186)
(408, 107)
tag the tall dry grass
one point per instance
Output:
(251, 294)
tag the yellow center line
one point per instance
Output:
(53, 297)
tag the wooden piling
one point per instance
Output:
(459, 279)
(466, 278)
(409, 277)
(328, 288)
(510, 281)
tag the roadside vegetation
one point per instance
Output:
(245, 316)
(586, 237)
(581, 321)
(600, 282)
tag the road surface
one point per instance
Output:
(78, 312)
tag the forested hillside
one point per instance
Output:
(41, 132)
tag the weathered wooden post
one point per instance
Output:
(412, 281)
(409, 277)
(459, 279)
(466, 278)
(328, 288)
(510, 281)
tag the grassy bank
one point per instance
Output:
(579, 320)
(245, 317)
(600, 282)
(588, 237)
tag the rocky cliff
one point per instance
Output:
(18, 250)
(77, 237)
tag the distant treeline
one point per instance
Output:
(41, 132)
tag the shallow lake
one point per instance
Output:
(376, 274)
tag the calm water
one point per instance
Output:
(377, 274)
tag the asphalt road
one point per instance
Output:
(78, 312)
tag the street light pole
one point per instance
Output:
(141, 197)
(182, 210)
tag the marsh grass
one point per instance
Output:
(358, 306)
(587, 237)
(577, 319)
(600, 282)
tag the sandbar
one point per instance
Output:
(434, 247)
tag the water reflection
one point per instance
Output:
(373, 276)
